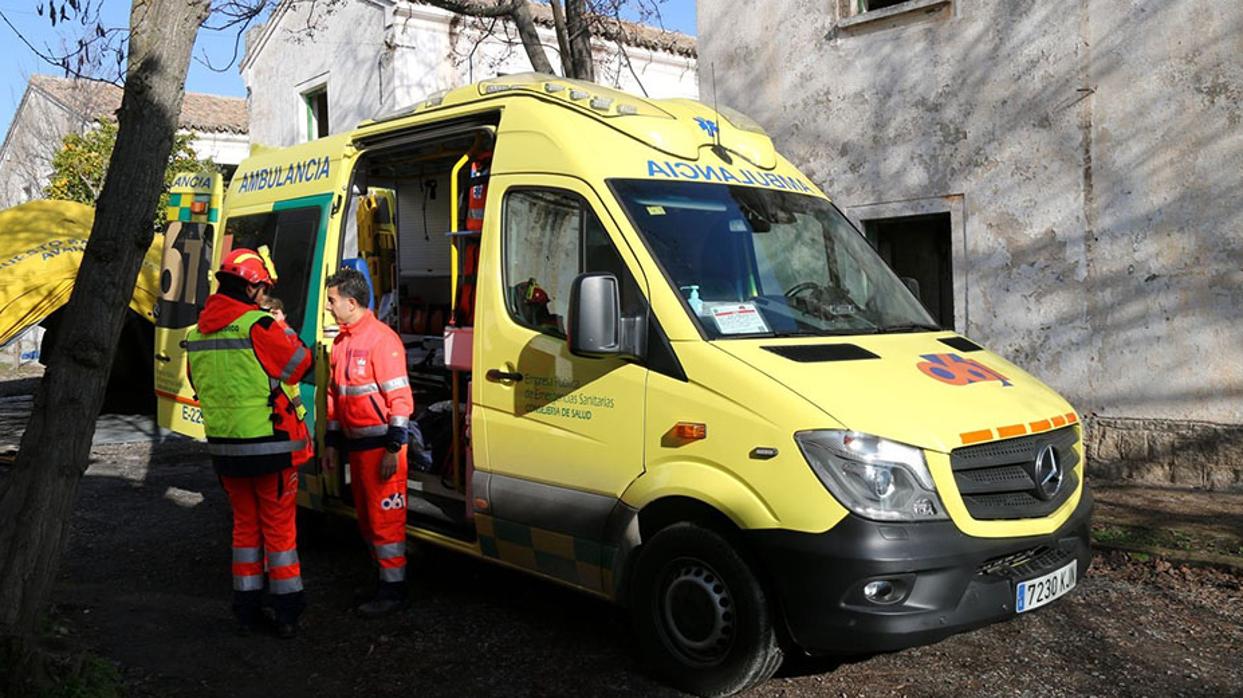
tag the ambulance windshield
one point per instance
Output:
(761, 262)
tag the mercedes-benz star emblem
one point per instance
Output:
(1048, 473)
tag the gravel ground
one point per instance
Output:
(146, 583)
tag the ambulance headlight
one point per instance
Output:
(873, 477)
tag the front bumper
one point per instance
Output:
(947, 581)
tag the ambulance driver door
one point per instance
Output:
(563, 434)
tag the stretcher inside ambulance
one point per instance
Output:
(653, 362)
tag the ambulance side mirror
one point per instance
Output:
(595, 328)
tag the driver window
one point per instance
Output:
(550, 237)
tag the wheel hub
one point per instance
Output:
(698, 611)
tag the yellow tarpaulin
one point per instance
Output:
(41, 245)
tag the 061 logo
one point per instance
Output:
(959, 370)
(396, 500)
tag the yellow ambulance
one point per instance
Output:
(655, 363)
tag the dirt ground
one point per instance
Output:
(145, 583)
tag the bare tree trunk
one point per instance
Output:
(530, 38)
(576, 22)
(563, 37)
(518, 12)
(38, 498)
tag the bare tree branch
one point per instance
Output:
(530, 37)
(478, 8)
(563, 37)
(578, 27)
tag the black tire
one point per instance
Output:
(702, 617)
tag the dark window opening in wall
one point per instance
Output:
(316, 113)
(862, 6)
(918, 247)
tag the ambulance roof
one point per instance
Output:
(677, 126)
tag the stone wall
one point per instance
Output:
(1090, 156)
(1166, 452)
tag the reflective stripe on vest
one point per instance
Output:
(261, 448)
(218, 344)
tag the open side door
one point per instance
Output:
(190, 252)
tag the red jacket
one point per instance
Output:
(281, 354)
(369, 398)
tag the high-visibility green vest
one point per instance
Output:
(233, 389)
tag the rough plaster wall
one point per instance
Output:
(376, 60)
(434, 51)
(36, 133)
(221, 148)
(1099, 150)
(343, 52)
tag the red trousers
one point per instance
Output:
(264, 512)
(381, 507)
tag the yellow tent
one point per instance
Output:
(41, 245)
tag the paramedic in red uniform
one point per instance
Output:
(239, 356)
(369, 408)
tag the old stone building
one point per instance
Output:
(1063, 178)
(311, 72)
(53, 107)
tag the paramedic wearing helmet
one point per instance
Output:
(239, 356)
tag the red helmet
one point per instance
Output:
(534, 295)
(248, 265)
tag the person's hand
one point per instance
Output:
(331, 459)
(388, 466)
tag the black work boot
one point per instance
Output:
(390, 597)
(247, 608)
(288, 608)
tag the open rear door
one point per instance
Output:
(194, 208)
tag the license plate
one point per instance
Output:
(1037, 592)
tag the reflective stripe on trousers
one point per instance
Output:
(288, 585)
(393, 574)
(388, 551)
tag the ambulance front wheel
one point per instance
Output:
(702, 618)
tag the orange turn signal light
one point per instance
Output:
(198, 208)
(690, 431)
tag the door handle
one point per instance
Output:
(496, 375)
(163, 357)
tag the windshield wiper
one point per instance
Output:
(909, 327)
(827, 333)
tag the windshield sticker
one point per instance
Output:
(738, 318)
(738, 225)
(655, 210)
(959, 370)
(714, 173)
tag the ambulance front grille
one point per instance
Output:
(1025, 563)
(996, 480)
